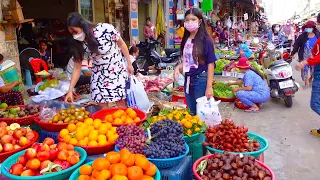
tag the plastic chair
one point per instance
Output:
(36, 65)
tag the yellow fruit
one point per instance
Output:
(114, 129)
(188, 125)
(64, 132)
(189, 132)
(93, 143)
(72, 127)
(103, 130)
(83, 142)
(96, 132)
(88, 121)
(80, 136)
(93, 137)
(109, 118)
(97, 123)
(200, 123)
(102, 137)
(117, 121)
(197, 129)
(90, 128)
(73, 141)
(79, 129)
(67, 138)
(86, 132)
(110, 133)
(79, 124)
(108, 125)
(102, 142)
(112, 139)
(86, 139)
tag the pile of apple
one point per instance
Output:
(44, 158)
(14, 137)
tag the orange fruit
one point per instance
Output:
(132, 114)
(123, 118)
(118, 177)
(86, 132)
(108, 125)
(88, 121)
(124, 151)
(73, 141)
(137, 119)
(103, 175)
(67, 138)
(63, 133)
(117, 114)
(127, 159)
(109, 118)
(103, 130)
(79, 135)
(135, 173)
(97, 123)
(129, 121)
(187, 125)
(72, 127)
(93, 143)
(145, 177)
(113, 157)
(119, 169)
(95, 173)
(79, 124)
(151, 171)
(82, 142)
(93, 137)
(84, 177)
(118, 121)
(142, 162)
(85, 170)
(90, 128)
(100, 164)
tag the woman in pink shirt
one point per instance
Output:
(149, 30)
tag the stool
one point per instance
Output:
(182, 171)
(44, 134)
(179, 99)
(36, 64)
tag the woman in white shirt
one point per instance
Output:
(85, 75)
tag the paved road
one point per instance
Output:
(293, 153)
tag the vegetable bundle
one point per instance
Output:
(222, 90)
(220, 64)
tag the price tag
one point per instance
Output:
(180, 14)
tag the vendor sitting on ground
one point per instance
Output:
(85, 75)
(255, 90)
(242, 49)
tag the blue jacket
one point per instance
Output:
(245, 48)
(280, 36)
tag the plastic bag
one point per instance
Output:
(46, 114)
(137, 96)
(208, 111)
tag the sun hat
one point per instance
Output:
(309, 24)
(243, 63)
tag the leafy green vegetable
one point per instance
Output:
(220, 64)
(222, 90)
(257, 67)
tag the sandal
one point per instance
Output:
(251, 110)
(260, 105)
(315, 132)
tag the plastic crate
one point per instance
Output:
(196, 148)
(182, 171)
(93, 157)
(44, 134)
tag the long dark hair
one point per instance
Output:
(199, 39)
(76, 20)
(274, 26)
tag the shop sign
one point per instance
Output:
(180, 14)
(134, 5)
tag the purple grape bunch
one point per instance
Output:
(131, 137)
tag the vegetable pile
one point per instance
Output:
(230, 53)
(49, 84)
(119, 166)
(18, 112)
(230, 166)
(70, 115)
(257, 67)
(131, 137)
(190, 124)
(222, 90)
(220, 64)
(229, 137)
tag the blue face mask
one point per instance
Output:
(308, 30)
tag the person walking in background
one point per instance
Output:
(198, 59)
(315, 94)
(303, 45)
(149, 30)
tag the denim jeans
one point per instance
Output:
(315, 94)
(197, 89)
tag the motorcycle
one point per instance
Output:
(279, 74)
(148, 52)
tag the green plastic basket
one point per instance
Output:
(62, 175)
(76, 173)
(196, 148)
(190, 139)
(262, 141)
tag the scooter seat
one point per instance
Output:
(166, 60)
(171, 50)
(278, 63)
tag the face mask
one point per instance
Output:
(308, 30)
(277, 29)
(191, 27)
(79, 37)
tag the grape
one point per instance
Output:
(132, 138)
(167, 140)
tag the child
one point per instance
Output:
(134, 53)
(198, 59)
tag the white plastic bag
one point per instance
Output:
(137, 96)
(208, 111)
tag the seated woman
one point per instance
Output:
(85, 71)
(44, 53)
(8, 95)
(255, 90)
(243, 49)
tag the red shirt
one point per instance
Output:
(316, 54)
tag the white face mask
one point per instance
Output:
(79, 37)
(277, 29)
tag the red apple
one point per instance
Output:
(10, 132)
(70, 147)
(62, 146)
(22, 160)
(1, 148)
(33, 164)
(48, 141)
(44, 164)
(57, 161)
(29, 130)
(6, 139)
(53, 146)
(37, 173)
(7, 147)
(3, 124)
(16, 169)
(53, 154)
(43, 155)
(16, 147)
(17, 134)
(65, 165)
(43, 147)
(3, 132)
(23, 130)
(30, 136)
(28, 172)
(63, 155)
(23, 141)
(35, 146)
(73, 159)
(30, 153)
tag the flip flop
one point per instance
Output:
(251, 110)
(259, 105)
(315, 132)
